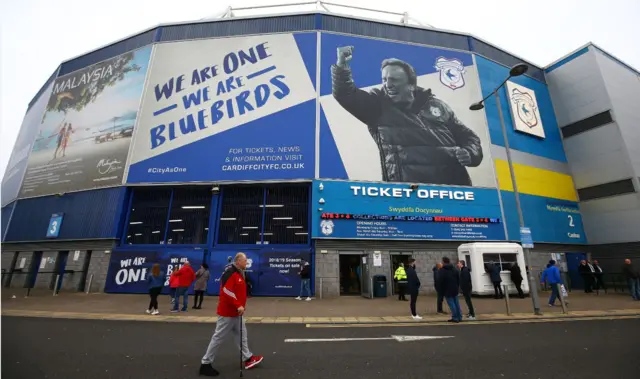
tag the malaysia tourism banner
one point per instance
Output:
(128, 270)
(358, 210)
(17, 165)
(270, 272)
(407, 106)
(84, 136)
(228, 109)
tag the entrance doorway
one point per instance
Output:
(396, 259)
(350, 273)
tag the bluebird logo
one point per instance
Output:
(525, 106)
(451, 72)
(326, 226)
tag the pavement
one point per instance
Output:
(351, 310)
(79, 349)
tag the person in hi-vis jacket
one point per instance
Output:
(419, 137)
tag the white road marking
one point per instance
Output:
(397, 338)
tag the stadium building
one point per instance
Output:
(342, 141)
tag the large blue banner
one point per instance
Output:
(128, 269)
(270, 272)
(399, 211)
(226, 109)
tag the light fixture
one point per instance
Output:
(176, 220)
(178, 230)
(193, 207)
(283, 218)
(272, 206)
(476, 106)
(518, 69)
(244, 234)
(294, 227)
(267, 234)
(301, 234)
(135, 223)
(228, 218)
(206, 228)
(138, 234)
(155, 232)
(249, 227)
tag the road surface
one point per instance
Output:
(74, 349)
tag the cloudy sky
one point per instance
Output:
(36, 35)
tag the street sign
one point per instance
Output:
(396, 338)
(525, 237)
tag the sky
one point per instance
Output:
(37, 35)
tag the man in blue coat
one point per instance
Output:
(552, 276)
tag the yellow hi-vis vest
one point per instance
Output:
(400, 275)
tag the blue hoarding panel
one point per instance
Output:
(271, 272)
(396, 211)
(239, 108)
(550, 220)
(128, 270)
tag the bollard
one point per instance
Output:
(55, 288)
(505, 290)
(562, 302)
(89, 286)
(28, 292)
(371, 286)
(321, 288)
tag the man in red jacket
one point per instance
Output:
(231, 304)
(186, 276)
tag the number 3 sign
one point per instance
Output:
(54, 225)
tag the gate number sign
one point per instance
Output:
(54, 225)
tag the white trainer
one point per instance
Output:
(298, 298)
(308, 299)
(148, 312)
(155, 312)
(417, 317)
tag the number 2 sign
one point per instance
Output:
(54, 225)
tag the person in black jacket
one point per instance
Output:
(440, 297)
(413, 287)
(516, 278)
(466, 287)
(449, 282)
(586, 272)
(419, 137)
(633, 278)
(305, 280)
(494, 275)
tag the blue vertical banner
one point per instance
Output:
(128, 270)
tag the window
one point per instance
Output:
(148, 217)
(504, 261)
(189, 216)
(264, 215)
(286, 215)
(619, 187)
(586, 124)
(241, 215)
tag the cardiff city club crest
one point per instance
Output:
(451, 72)
(526, 107)
(326, 226)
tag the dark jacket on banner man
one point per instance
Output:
(419, 137)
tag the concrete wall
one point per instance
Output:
(623, 88)
(19, 280)
(47, 264)
(6, 259)
(71, 282)
(99, 266)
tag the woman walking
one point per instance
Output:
(202, 278)
(155, 280)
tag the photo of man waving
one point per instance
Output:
(419, 137)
